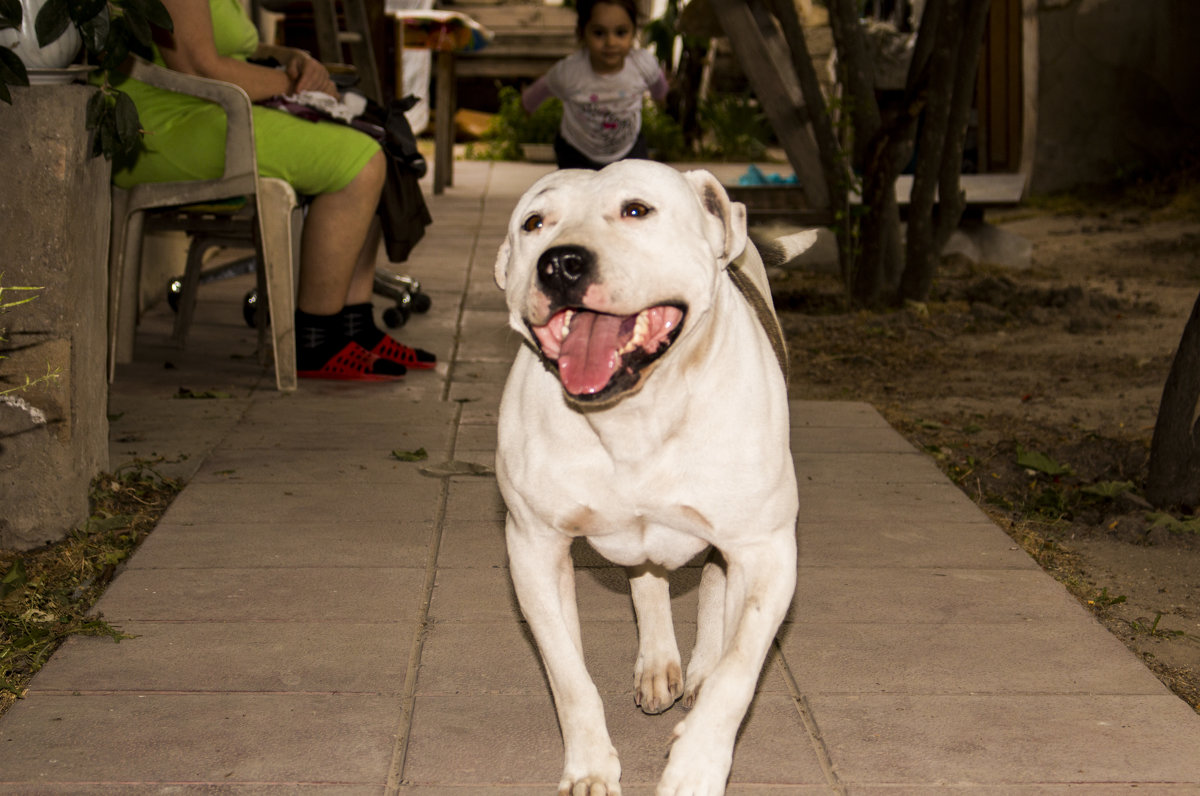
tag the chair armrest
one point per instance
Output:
(239, 131)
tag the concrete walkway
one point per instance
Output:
(314, 616)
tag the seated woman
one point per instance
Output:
(341, 168)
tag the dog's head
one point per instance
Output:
(605, 271)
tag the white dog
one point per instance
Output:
(648, 412)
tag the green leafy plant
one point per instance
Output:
(1152, 628)
(664, 136)
(1040, 462)
(1159, 519)
(1105, 600)
(1108, 490)
(419, 455)
(737, 126)
(111, 30)
(512, 126)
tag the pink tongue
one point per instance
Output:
(589, 356)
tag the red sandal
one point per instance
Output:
(354, 363)
(388, 348)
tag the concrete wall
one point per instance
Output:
(1118, 88)
(54, 228)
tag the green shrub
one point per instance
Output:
(664, 136)
(736, 127)
(512, 126)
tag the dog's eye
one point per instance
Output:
(532, 223)
(636, 210)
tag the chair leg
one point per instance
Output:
(116, 270)
(198, 247)
(277, 216)
(124, 272)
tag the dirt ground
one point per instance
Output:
(1036, 390)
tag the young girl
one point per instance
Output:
(601, 87)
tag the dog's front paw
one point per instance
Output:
(600, 777)
(657, 686)
(588, 786)
(697, 767)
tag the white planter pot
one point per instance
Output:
(23, 41)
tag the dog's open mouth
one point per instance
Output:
(600, 355)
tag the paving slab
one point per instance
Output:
(226, 738)
(237, 656)
(314, 616)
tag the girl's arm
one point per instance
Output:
(537, 93)
(191, 49)
(659, 87)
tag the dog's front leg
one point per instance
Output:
(658, 673)
(710, 627)
(544, 578)
(760, 581)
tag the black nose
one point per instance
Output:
(565, 271)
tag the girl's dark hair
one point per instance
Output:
(584, 10)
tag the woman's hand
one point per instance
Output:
(308, 74)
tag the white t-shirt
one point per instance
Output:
(602, 114)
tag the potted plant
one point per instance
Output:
(109, 30)
(514, 134)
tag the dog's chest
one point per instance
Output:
(666, 535)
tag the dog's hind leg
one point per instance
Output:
(544, 578)
(710, 626)
(658, 673)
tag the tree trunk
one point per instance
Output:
(879, 227)
(953, 63)
(931, 141)
(856, 73)
(953, 202)
(1174, 477)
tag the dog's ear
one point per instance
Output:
(502, 256)
(726, 220)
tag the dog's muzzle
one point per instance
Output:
(598, 356)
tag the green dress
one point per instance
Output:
(185, 136)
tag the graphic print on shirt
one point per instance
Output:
(611, 122)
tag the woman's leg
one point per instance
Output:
(362, 282)
(337, 248)
(336, 242)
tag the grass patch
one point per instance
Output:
(47, 594)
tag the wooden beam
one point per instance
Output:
(762, 52)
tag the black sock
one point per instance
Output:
(321, 337)
(318, 337)
(358, 324)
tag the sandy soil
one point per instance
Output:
(1036, 389)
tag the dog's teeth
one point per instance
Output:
(566, 324)
(640, 328)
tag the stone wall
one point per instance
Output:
(54, 229)
(1118, 88)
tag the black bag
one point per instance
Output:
(402, 208)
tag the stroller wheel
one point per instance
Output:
(174, 291)
(395, 317)
(421, 302)
(251, 306)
